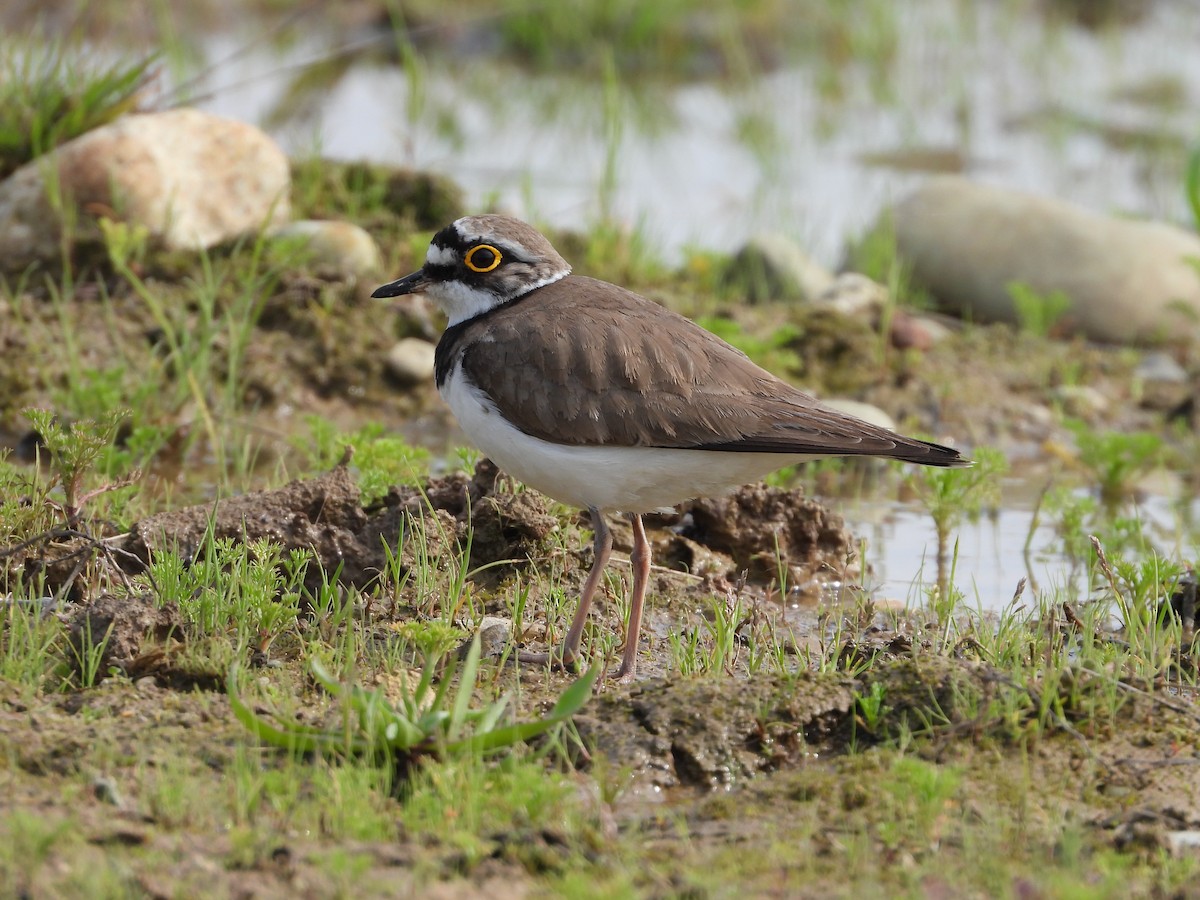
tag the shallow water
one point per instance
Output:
(992, 557)
(974, 83)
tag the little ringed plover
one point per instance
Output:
(605, 400)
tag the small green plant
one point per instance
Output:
(920, 792)
(686, 651)
(1072, 514)
(870, 708)
(73, 452)
(248, 591)
(380, 461)
(876, 256)
(25, 506)
(427, 721)
(29, 642)
(433, 638)
(467, 458)
(206, 330)
(949, 495)
(1116, 459)
(1038, 313)
(88, 654)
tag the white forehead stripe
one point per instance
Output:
(440, 256)
(466, 232)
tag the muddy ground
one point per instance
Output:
(786, 766)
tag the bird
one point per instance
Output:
(605, 400)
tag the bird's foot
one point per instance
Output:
(625, 674)
(557, 660)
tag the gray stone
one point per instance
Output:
(1159, 366)
(1163, 382)
(410, 361)
(341, 246)
(191, 179)
(1128, 281)
(105, 790)
(774, 267)
(495, 637)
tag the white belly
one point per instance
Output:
(628, 479)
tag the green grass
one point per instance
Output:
(1038, 313)
(49, 95)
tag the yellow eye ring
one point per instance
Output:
(482, 266)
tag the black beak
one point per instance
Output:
(409, 284)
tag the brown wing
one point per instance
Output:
(610, 367)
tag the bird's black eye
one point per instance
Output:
(482, 258)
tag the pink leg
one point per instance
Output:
(602, 546)
(640, 559)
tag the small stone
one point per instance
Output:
(1081, 401)
(410, 361)
(1183, 843)
(44, 605)
(146, 684)
(1164, 383)
(774, 267)
(341, 246)
(909, 333)
(105, 790)
(854, 295)
(495, 635)
(916, 332)
(1159, 366)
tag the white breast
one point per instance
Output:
(628, 479)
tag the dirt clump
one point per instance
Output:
(121, 629)
(325, 516)
(761, 527)
(501, 523)
(321, 514)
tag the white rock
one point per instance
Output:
(342, 246)
(411, 361)
(1128, 281)
(192, 179)
(853, 294)
(865, 411)
(1183, 843)
(1081, 400)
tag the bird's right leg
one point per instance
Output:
(602, 549)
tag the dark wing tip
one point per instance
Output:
(927, 453)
